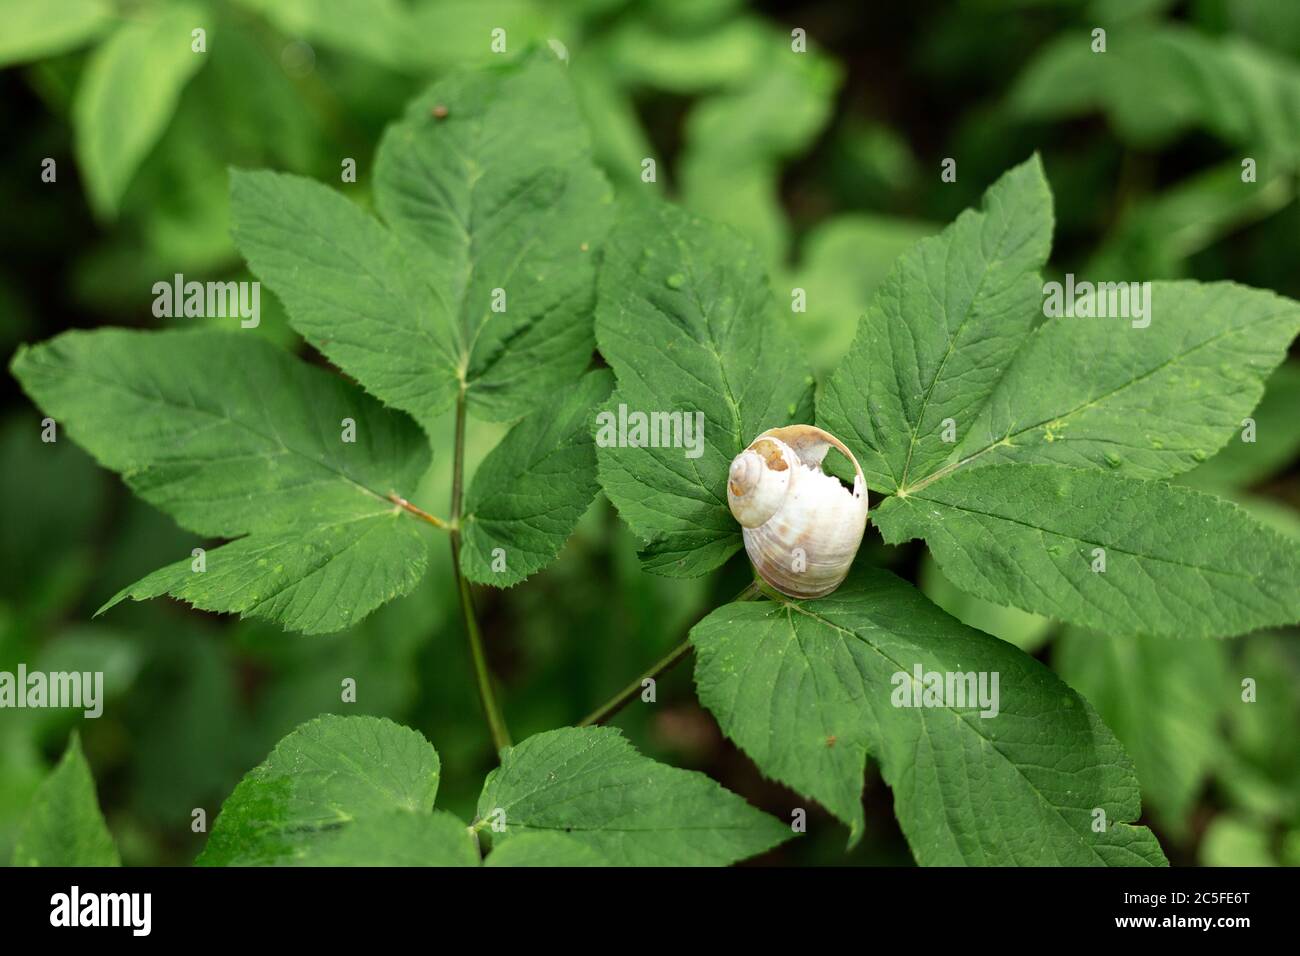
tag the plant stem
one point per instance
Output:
(491, 710)
(667, 663)
(419, 512)
(624, 697)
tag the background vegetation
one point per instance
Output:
(829, 162)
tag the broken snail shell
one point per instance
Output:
(802, 528)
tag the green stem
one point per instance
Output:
(666, 663)
(491, 710)
(418, 512)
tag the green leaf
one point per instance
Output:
(1177, 562)
(350, 287)
(1157, 235)
(328, 776)
(689, 61)
(687, 323)
(394, 838)
(499, 193)
(1276, 439)
(33, 31)
(64, 826)
(544, 849)
(941, 331)
(809, 689)
(483, 279)
(1155, 82)
(1236, 840)
(529, 493)
(1164, 698)
(232, 436)
(1148, 396)
(130, 89)
(314, 578)
(376, 29)
(592, 784)
(452, 32)
(1149, 402)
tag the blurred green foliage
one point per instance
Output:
(829, 163)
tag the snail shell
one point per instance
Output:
(802, 528)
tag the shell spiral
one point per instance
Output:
(802, 528)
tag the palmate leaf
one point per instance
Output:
(482, 277)
(592, 785)
(64, 826)
(231, 436)
(1051, 429)
(807, 689)
(530, 491)
(687, 323)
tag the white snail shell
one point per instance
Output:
(802, 528)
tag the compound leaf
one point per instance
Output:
(809, 689)
(594, 786)
(481, 277)
(489, 183)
